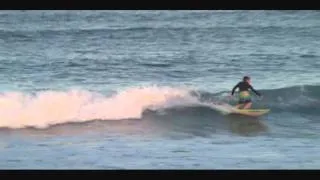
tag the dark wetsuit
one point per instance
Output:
(244, 96)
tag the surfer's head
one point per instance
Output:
(246, 79)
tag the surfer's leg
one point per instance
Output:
(240, 103)
(238, 106)
(247, 104)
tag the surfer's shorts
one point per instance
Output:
(242, 101)
(244, 97)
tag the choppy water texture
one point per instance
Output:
(135, 89)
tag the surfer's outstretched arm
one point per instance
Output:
(234, 88)
(255, 91)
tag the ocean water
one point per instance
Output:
(137, 89)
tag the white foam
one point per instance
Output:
(18, 110)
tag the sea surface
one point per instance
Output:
(139, 89)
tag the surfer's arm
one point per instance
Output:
(234, 88)
(255, 91)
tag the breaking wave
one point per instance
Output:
(43, 109)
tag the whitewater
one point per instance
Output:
(47, 108)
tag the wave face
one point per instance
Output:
(297, 99)
(43, 109)
(290, 96)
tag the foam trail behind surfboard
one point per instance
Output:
(222, 107)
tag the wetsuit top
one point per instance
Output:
(244, 86)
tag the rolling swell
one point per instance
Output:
(131, 32)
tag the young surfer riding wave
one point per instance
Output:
(244, 94)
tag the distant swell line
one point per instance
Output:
(133, 29)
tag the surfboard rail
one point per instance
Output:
(251, 112)
(228, 109)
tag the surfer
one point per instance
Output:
(244, 95)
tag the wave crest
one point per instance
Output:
(51, 107)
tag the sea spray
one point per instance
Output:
(18, 110)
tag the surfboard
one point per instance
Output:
(250, 112)
(227, 109)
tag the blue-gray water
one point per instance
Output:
(132, 89)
